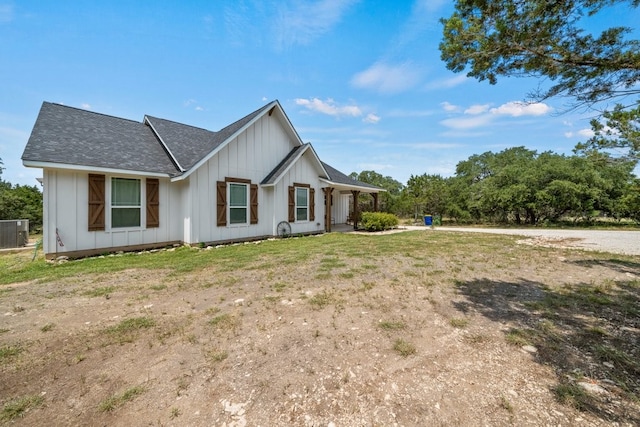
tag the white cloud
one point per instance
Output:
(299, 23)
(329, 107)
(192, 103)
(371, 118)
(468, 122)
(447, 83)
(482, 115)
(587, 133)
(517, 109)
(85, 106)
(6, 13)
(388, 79)
(449, 107)
(584, 133)
(477, 109)
(374, 166)
(409, 113)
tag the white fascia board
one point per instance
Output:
(352, 187)
(293, 130)
(91, 169)
(175, 161)
(324, 171)
(206, 158)
(293, 162)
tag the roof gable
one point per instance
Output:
(189, 145)
(294, 155)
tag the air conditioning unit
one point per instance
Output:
(14, 233)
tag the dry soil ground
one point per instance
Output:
(436, 329)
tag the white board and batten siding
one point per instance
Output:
(304, 171)
(340, 208)
(252, 155)
(66, 209)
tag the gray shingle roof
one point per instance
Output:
(189, 144)
(339, 178)
(282, 166)
(76, 137)
(72, 136)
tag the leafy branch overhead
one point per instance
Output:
(542, 38)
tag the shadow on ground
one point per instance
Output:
(589, 333)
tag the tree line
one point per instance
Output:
(20, 202)
(551, 41)
(516, 185)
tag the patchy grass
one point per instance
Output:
(118, 400)
(323, 299)
(103, 291)
(225, 322)
(459, 323)
(9, 351)
(389, 298)
(404, 348)
(127, 330)
(18, 407)
(387, 325)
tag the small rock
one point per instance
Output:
(239, 301)
(530, 349)
(592, 388)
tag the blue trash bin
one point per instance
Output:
(428, 220)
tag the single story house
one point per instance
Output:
(115, 184)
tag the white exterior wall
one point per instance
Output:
(66, 208)
(340, 208)
(302, 172)
(252, 155)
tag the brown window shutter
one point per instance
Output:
(292, 204)
(312, 204)
(96, 202)
(222, 203)
(153, 203)
(254, 203)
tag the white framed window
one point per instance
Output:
(126, 202)
(302, 204)
(238, 203)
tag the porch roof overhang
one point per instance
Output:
(351, 187)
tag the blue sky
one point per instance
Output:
(361, 80)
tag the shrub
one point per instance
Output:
(378, 221)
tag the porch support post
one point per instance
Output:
(375, 201)
(328, 199)
(355, 193)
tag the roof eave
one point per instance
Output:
(83, 168)
(352, 187)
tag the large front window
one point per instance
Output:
(125, 202)
(302, 204)
(238, 203)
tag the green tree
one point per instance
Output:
(548, 39)
(428, 194)
(617, 132)
(21, 202)
(387, 201)
(541, 38)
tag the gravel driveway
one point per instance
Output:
(620, 242)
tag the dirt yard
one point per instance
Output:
(410, 329)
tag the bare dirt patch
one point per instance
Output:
(346, 330)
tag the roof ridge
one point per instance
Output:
(180, 123)
(84, 110)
